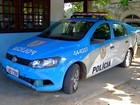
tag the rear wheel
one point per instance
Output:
(71, 80)
(128, 59)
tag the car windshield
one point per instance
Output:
(67, 30)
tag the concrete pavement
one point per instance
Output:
(13, 93)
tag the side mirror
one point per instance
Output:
(97, 41)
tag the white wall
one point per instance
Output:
(7, 39)
(57, 10)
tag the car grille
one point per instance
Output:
(18, 59)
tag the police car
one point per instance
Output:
(70, 50)
(138, 36)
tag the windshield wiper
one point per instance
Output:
(58, 38)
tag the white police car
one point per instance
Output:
(69, 50)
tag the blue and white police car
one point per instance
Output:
(70, 50)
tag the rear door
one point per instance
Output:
(120, 43)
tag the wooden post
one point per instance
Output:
(85, 7)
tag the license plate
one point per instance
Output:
(12, 71)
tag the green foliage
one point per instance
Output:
(102, 2)
(98, 6)
(124, 3)
(77, 7)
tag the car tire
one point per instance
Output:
(71, 80)
(128, 59)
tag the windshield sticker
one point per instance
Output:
(101, 67)
(36, 43)
(80, 51)
(24, 50)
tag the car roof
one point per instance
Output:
(92, 19)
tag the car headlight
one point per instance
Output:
(45, 63)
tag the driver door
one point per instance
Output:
(101, 50)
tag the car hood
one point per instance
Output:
(38, 47)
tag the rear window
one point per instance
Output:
(119, 30)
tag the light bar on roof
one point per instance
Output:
(90, 13)
(99, 15)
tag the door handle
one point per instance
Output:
(111, 47)
(126, 41)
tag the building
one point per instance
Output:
(129, 14)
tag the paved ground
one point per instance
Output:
(113, 87)
(123, 94)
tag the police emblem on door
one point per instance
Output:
(103, 52)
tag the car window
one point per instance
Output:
(67, 30)
(119, 30)
(101, 34)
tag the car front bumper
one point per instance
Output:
(48, 79)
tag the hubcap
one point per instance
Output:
(128, 58)
(76, 79)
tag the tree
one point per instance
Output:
(124, 3)
(78, 6)
(98, 6)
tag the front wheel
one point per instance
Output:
(71, 80)
(128, 59)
